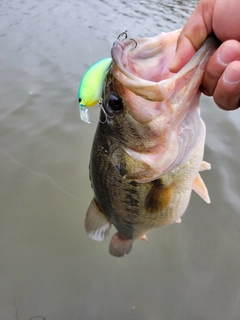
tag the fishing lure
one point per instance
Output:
(90, 88)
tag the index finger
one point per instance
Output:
(193, 34)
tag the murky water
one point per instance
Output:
(49, 268)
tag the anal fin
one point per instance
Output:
(96, 224)
(200, 188)
(144, 238)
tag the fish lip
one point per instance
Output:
(117, 52)
(123, 43)
(118, 43)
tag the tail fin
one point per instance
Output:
(120, 246)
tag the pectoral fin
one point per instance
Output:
(96, 224)
(200, 188)
(159, 197)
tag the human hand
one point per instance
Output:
(222, 76)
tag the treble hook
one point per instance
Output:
(107, 116)
(123, 34)
(100, 102)
(135, 42)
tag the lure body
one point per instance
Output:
(90, 88)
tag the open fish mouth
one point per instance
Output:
(142, 66)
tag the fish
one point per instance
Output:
(148, 147)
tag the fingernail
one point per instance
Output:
(231, 74)
(227, 55)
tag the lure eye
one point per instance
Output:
(114, 102)
(79, 100)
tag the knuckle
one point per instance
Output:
(206, 90)
(227, 102)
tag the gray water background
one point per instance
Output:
(49, 268)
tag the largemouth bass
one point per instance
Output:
(148, 147)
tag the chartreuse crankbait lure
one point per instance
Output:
(90, 88)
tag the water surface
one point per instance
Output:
(49, 268)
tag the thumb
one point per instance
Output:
(192, 36)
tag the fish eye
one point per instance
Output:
(79, 100)
(114, 102)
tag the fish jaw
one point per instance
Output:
(166, 103)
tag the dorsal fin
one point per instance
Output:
(199, 187)
(96, 224)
